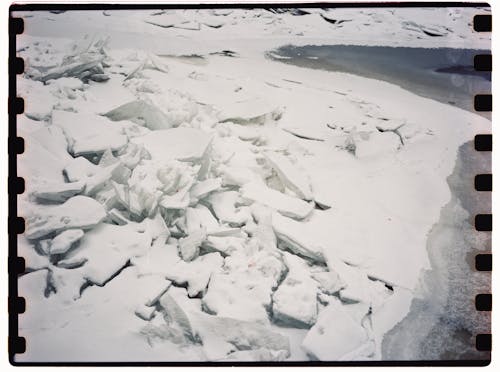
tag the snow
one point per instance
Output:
(292, 177)
(185, 144)
(335, 334)
(286, 205)
(88, 133)
(62, 242)
(77, 212)
(190, 199)
(294, 301)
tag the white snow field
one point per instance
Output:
(189, 199)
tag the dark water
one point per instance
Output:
(443, 74)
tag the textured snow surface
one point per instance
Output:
(188, 199)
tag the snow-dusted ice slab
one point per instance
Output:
(285, 204)
(291, 176)
(89, 133)
(78, 212)
(335, 334)
(185, 144)
(296, 237)
(294, 302)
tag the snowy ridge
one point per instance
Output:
(222, 206)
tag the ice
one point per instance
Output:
(99, 78)
(79, 169)
(78, 212)
(58, 192)
(243, 289)
(189, 247)
(197, 273)
(335, 334)
(203, 188)
(236, 176)
(184, 144)
(307, 133)
(39, 106)
(224, 207)
(153, 117)
(171, 173)
(220, 336)
(32, 286)
(106, 249)
(357, 286)
(33, 258)
(294, 302)
(200, 217)
(63, 242)
(160, 259)
(284, 204)
(252, 111)
(295, 236)
(226, 245)
(329, 282)
(290, 175)
(88, 133)
(150, 62)
(39, 165)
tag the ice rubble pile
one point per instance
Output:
(190, 205)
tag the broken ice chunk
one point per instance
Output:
(106, 249)
(200, 217)
(243, 289)
(40, 103)
(78, 212)
(335, 334)
(252, 111)
(153, 117)
(63, 242)
(160, 259)
(223, 204)
(221, 336)
(294, 302)
(236, 175)
(357, 286)
(145, 312)
(184, 144)
(79, 169)
(189, 247)
(196, 273)
(88, 133)
(58, 192)
(292, 177)
(33, 258)
(226, 245)
(295, 236)
(203, 188)
(285, 204)
(76, 68)
(329, 282)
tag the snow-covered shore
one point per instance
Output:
(193, 200)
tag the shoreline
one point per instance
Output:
(443, 313)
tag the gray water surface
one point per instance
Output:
(444, 74)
